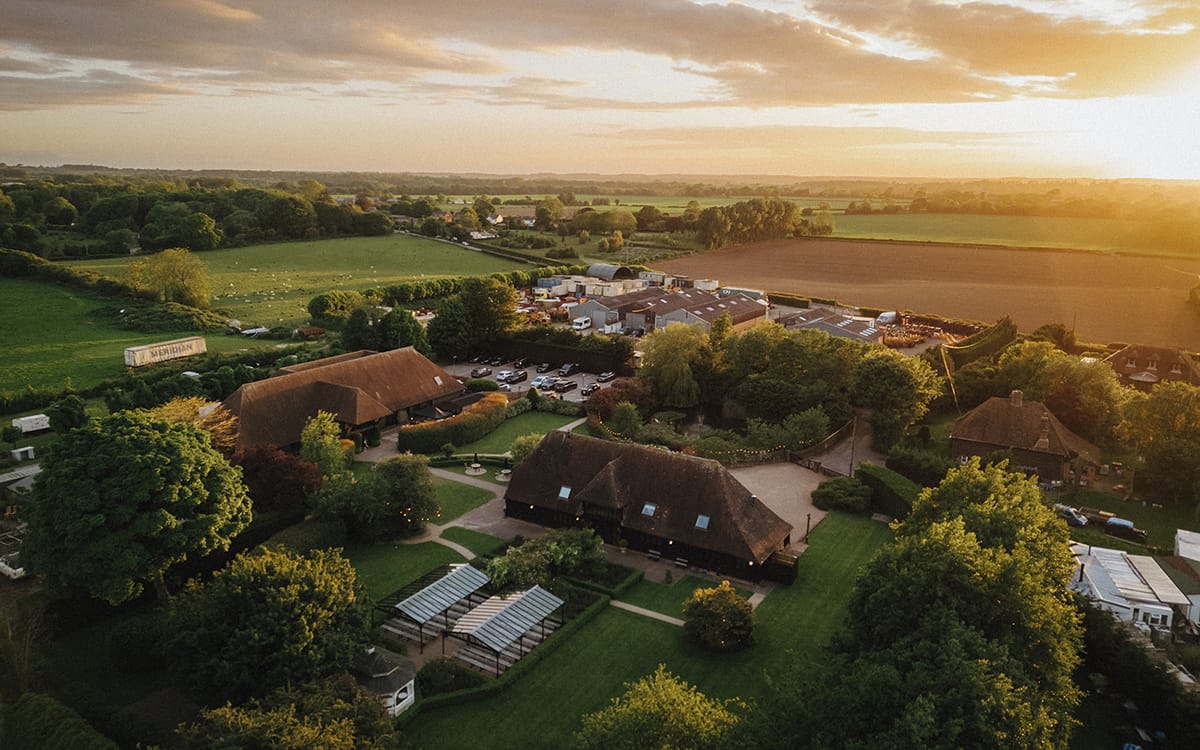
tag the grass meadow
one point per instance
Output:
(457, 498)
(52, 333)
(542, 710)
(272, 284)
(500, 439)
(477, 542)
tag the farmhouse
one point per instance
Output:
(1143, 367)
(1039, 443)
(673, 506)
(1133, 587)
(361, 389)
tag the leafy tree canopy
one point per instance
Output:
(123, 498)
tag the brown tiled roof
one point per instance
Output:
(1028, 425)
(302, 366)
(357, 388)
(625, 477)
(664, 302)
(1140, 356)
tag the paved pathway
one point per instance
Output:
(646, 612)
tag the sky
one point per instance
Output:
(883, 88)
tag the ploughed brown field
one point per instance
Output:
(1110, 298)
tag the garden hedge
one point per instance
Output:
(891, 493)
(473, 423)
(39, 721)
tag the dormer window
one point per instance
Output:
(702, 522)
(1152, 364)
(648, 509)
(1130, 362)
(564, 493)
(1176, 369)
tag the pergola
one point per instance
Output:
(502, 624)
(441, 597)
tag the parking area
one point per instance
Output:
(536, 375)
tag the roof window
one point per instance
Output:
(702, 522)
(564, 492)
(648, 509)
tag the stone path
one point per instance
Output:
(646, 612)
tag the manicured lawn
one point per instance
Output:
(479, 543)
(668, 598)
(387, 567)
(457, 498)
(272, 284)
(51, 334)
(500, 440)
(542, 710)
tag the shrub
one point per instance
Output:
(482, 385)
(923, 467)
(38, 721)
(473, 423)
(560, 406)
(446, 675)
(719, 618)
(518, 407)
(135, 645)
(842, 493)
(891, 493)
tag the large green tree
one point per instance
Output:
(123, 498)
(897, 389)
(267, 620)
(668, 357)
(173, 275)
(320, 443)
(719, 618)
(1164, 428)
(660, 712)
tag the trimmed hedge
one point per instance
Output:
(560, 406)
(983, 344)
(789, 300)
(473, 423)
(518, 407)
(891, 493)
(39, 721)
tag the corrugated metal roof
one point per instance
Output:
(1158, 581)
(501, 620)
(442, 594)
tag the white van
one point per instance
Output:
(581, 324)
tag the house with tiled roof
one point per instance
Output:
(667, 504)
(1143, 367)
(361, 389)
(1038, 442)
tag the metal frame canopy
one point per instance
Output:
(503, 620)
(442, 594)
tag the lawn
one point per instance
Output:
(457, 498)
(668, 598)
(542, 710)
(1159, 523)
(51, 333)
(387, 567)
(500, 440)
(272, 284)
(479, 543)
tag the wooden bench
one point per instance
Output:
(681, 562)
(653, 555)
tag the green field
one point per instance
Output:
(272, 284)
(668, 598)
(457, 498)
(477, 542)
(51, 333)
(542, 709)
(387, 567)
(1113, 235)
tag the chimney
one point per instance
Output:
(1016, 398)
(1043, 441)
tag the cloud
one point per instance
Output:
(835, 52)
(90, 88)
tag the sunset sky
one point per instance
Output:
(1038, 88)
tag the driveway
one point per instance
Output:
(786, 489)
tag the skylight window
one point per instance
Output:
(437, 379)
(564, 492)
(648, 509)
(702, 522)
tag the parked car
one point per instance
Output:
(10, 566)
(543, 382)
(496, 361)
(604, 377)
(1070, 515)
(563, 385)
(569, 368)
(503, 376)
(521, 362)
(518, 376)
(589, 389)
(481, 372)
(1123, 528)
(545, 367)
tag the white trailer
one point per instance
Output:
(32, 423)
(148, 354)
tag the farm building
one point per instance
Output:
(34, 423)
(1039, 443)
(834, 323)
(148, 354)
(1133, 587)
(673, 506)
(1143, 367)
(1184, 569)
(609, 272)
(743, 312)
(361, 389)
